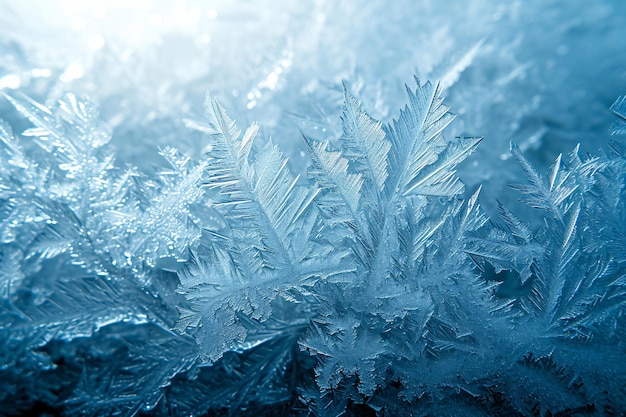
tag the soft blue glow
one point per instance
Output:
(331, 258)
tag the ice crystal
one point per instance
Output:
(80, 243)
(365, 281)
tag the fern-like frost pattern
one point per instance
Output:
(371, 282)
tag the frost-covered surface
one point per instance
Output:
(161, 257)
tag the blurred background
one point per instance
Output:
(537, 72)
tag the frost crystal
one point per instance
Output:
(361, 278)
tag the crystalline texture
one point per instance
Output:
(232, 285)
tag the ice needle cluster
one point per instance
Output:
(371, 282)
